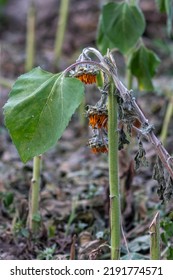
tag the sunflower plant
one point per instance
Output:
(41, 104)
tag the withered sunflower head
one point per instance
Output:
(87, 78)
(86, 74)
(98, 146)
(98, 117)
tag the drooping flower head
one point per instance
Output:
(86, 74)
(98, 144)
(98, 148)
(98, 117)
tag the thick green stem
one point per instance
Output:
(62, 22)
(166, 121)
(34, 216)
(113, 174)
(30, 39)
(155, 238)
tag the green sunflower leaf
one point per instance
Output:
(39, 108)
(143, 65)
(120, 26)
(103, 42)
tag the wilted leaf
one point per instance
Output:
(143, 65)
(122, 139)
(169, 189)
(140, 158)
(158, 175)
(39, 108)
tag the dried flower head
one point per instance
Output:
(98, 146)
(98, 117)
(99, 149)
(87, 78)
(86, 74)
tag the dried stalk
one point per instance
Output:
(147, 129)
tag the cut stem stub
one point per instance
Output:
(155, 238)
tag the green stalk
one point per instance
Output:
(61, 26)
(34, 216)
(166, 121)
(30, 39)
(155, 238)
(113, 173)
